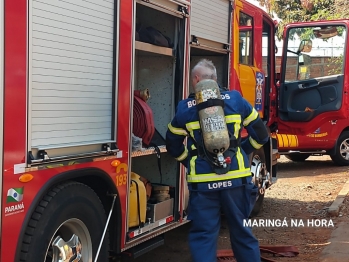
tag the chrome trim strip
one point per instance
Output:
(29, 79)
(129, 158)
(116, 69)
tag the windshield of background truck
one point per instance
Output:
(314, 52)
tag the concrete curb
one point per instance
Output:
(333, 210)
(338, 248)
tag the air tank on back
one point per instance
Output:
(212, 119)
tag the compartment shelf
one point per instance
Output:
(148, 151)
(149, 49)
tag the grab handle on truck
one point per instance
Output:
(43, 157)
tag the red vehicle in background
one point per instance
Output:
(313, 103)
(306, 104)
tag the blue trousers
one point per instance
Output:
(205, 211)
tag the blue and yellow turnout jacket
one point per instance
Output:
(185, 124)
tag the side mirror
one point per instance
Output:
(305, 46)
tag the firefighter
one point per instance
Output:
(231, 191)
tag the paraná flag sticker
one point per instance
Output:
(15, 194)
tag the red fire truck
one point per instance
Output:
(313, 93)
(311, 115)
(70, 72)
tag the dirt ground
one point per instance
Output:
(302, 193)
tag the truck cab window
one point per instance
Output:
(246, 39)
(315, 52)
(267, 39)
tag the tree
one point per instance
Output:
(305, 10)
(340, 9)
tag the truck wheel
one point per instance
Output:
(259, 169)
(297, 157)
(67, 225)
(341, 151)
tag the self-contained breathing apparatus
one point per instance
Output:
(218, 145)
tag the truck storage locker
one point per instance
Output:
(155, 70)
(71, 65)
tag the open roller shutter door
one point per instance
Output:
(71, 72)
(210, 20)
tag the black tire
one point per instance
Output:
(341, 150)
(297, 157)
(260, 197)
(67, 209)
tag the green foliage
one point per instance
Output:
(305, 10)
(340, 9)
(335, 65)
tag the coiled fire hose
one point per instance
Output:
(143, 119)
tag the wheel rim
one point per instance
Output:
(344, 149)
(70, 242)
(259, 170)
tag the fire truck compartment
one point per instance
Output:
(155, 70)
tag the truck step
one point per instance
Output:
(145, 247)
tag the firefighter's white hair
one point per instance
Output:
(204, 69)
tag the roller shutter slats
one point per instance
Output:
(210, 20)
(71, 71)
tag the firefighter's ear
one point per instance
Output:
(195, 80)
